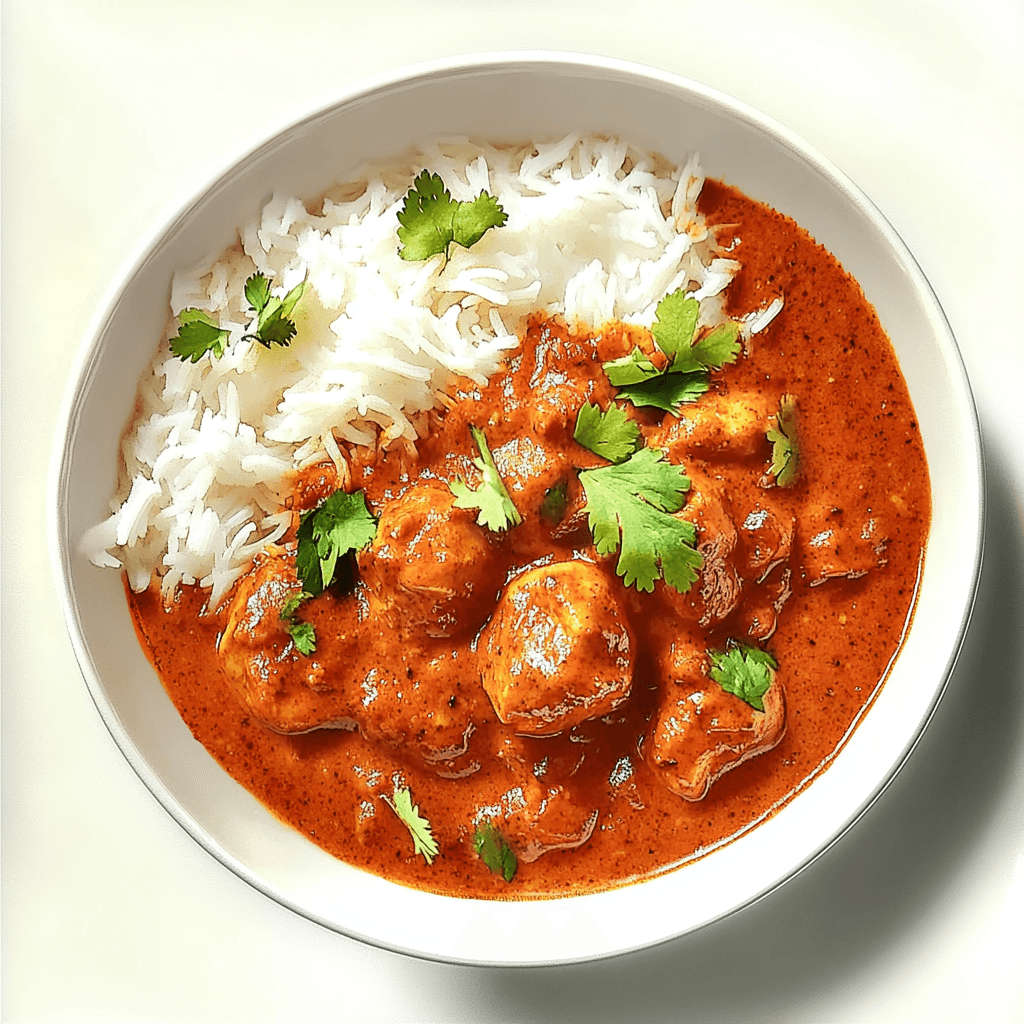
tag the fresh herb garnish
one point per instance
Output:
(675, 323)
(198, 333)
(423, 841)
(632, 369)
(556, 501)
(666, 391)
(273, 326)
(341, 524)
(431, 220)
(610, 434)
(745, 672)
(632, 503)
(494, 851)
(782, 433)
(302, 633)
(675, 327)
(685, 375)
(497, 512)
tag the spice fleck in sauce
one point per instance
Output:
(821, 574)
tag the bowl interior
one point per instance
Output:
(515, 98)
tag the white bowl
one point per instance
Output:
(516, 97)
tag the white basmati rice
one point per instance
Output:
(597, 230)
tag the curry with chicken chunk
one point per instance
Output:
(509, 680)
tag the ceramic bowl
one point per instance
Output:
(510, 97)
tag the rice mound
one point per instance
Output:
(597, 230)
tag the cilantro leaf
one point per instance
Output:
(277, 330)
(556, 501)
(423, 841)
(632, 369)
(257, 291)
(631, 504)
(675, 323)
(198, 334)
(426, 218)
(610, 434)
(667, 391)
(674, 331)
(782, 433)
(430, 220)
(290, 605)
(497, 512)
(303, 636)
(273, 323)
(685, 377)
(745, 672)
(341, 524)
(719, 346)
(302, 633)
(475, 218)
(494, 851)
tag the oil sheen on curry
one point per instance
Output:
(509, 682)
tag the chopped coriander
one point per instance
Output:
(291, 604)
(719, 346)
(257, 291)
(494, 851)
(667, 391)
(556, 500)
(782, 433)
(431, 220)
(273, 326)
(675, 323)
(339, 525)
(423, 841)
(634, 368)
(632, 504)
(610, 434)
(497, 511)
(745, 672)
(302, 633)
(685, 377)
(303, 636)
(197, 335)
(675, 327)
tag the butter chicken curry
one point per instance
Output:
(527, 711)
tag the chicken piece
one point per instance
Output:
(718, 590)
(558, 649)
(545, 810)
(745, 569)
(555, 398)
(282, 689)
(551, 819)
(419, 701)
(836, 547)
(745, 557)
(765, 533)
(431, 567)
(720, 426)
(701, 731)
(759, 614)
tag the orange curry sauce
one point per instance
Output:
(858, 517)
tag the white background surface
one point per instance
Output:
(113, 111)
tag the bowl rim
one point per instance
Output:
(208, 180)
